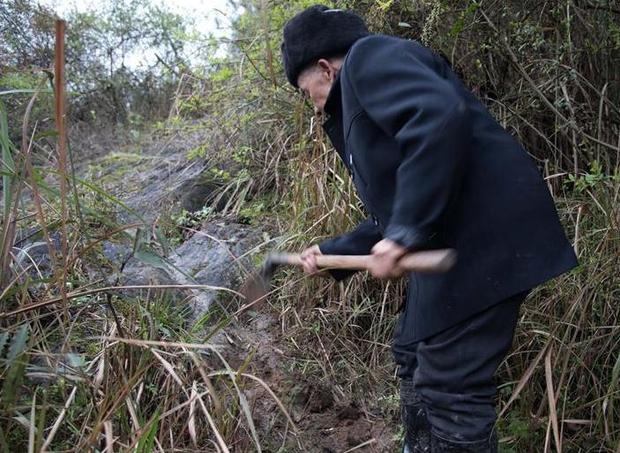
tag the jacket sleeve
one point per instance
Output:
(399, 88)
(356, 242)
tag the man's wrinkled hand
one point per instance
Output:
(385, 257)
(308, 258)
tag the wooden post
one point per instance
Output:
(59, 95)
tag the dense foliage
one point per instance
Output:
(106, 83)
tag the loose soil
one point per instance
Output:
(325, 423)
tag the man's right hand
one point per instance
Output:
(308, 258)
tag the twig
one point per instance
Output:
(363, 444)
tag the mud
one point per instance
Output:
(325, 421)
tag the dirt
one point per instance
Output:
(325, 422)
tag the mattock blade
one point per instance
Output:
(257, 286)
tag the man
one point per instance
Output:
(433, 169)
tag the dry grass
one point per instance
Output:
(106, 371)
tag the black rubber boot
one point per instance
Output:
(413, 415)
(439, 445)
(417, 429)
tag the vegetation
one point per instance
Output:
(88, 363)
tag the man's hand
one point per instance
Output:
(386, 255)
(308, 257)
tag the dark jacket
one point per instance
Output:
(434, 169)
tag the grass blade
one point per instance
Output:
(32, 431)
(147, 440)
(61, 416)
(8, 165)
(191, 422)
(553, 415)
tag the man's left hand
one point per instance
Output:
(386, 255)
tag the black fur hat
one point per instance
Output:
(318, 32)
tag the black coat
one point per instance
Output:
(434, 169)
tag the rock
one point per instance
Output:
(152, 179)
(190, 187)
(165, 178)
(196, 193)
(209, 257)
(137, 273)
(116, 253)
(31, 249)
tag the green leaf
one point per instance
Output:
(147, 440)
(145, 254)
(18, 345)
(148, 256)
(75, 360)
(14, 377)
(46, 134)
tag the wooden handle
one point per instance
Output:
(428, 261)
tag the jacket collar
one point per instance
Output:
(333, 104)
(333, 118)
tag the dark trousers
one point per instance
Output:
(449, 376)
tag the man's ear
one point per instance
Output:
(327, 68)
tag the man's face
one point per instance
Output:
(316, 81)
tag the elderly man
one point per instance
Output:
(433, 169)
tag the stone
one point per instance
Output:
(213, 256)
